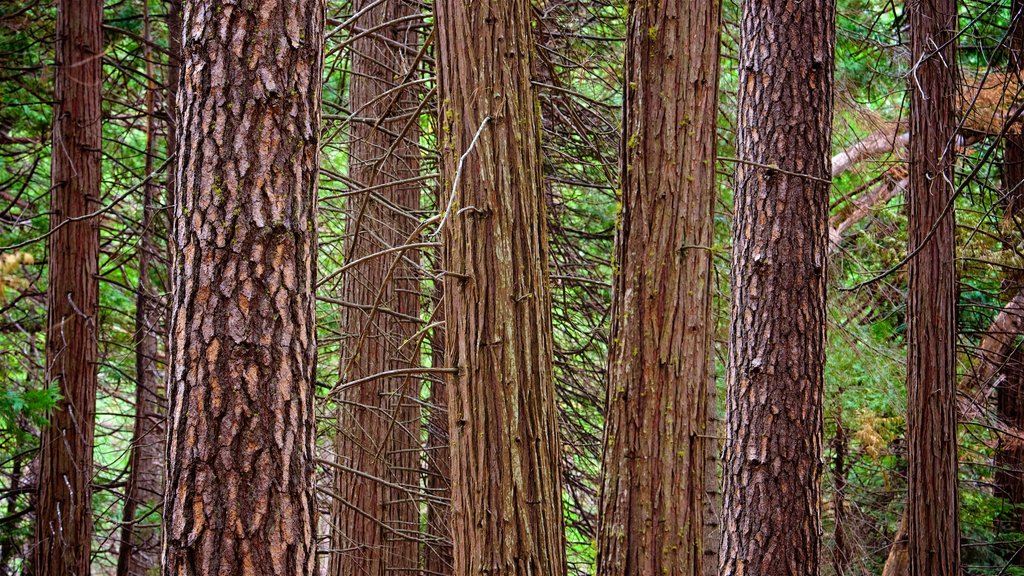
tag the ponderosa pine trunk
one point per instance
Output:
(64, 510)
(655, 446)
(240, 493)
(375, 527)
(933, 536)
(505, 456)
(771, 518)
(139, 552)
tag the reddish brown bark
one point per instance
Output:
(777, 342)
(506, 481)
(933, 539)
(438, 548)
(64, 509)
(655, 449)
(1009, 460)
(376, 524)
(242, 349)
(139, 553)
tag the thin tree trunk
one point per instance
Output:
(712, 485)
(933, 544)
(842, 554)
(240, 494)
(376, 525)
(171, 104)
(438, 553)
(773, 468)
(1009, 460)
(506, 477)
(64, 510)
(139, 553)
(655, 449)
(139, 550)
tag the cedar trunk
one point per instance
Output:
(240, 494)
(773, 465)
(933, 544)
(64, 510)
(139, 553)
(657, 436)
(1009, 460)
(506, 481)
(438, 550)
(376, 524)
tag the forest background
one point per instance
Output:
(579, 77)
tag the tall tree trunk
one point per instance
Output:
(1009, 459)
(712, 483)
(773, 469)
(171, 104)
(438, 559)
(376, 524)
(1009, 477)
(506, 478)
(933, 544)
(842, 554)
(438, 552)
(1013, 143)
(139, 553)
(64, 509)
(240, 494)
(652, 496)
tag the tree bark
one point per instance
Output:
(240, 494)
(438, 553)
(64, 509)
(655, 448)
(1009, 460)
(139, 553)
(933, 539)
(506, 479)
(376, 525)
(774, 431)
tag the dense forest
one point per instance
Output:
(512, 288)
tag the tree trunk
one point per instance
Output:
(438, 553)
(139, 553)
(712, 483)
(774, 431)
(652, 497)
(842, 554)
(376, 525)
(64, 509)
(240, 494)
(506, 478)
(1009, 459)
(1009, 478)
(933, 539)
(1013, 142)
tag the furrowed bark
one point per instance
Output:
(375, 525)
(933, 538)
(240, 494)
(63, 530)
(506, 482)
(657, 436)
(773, 465)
